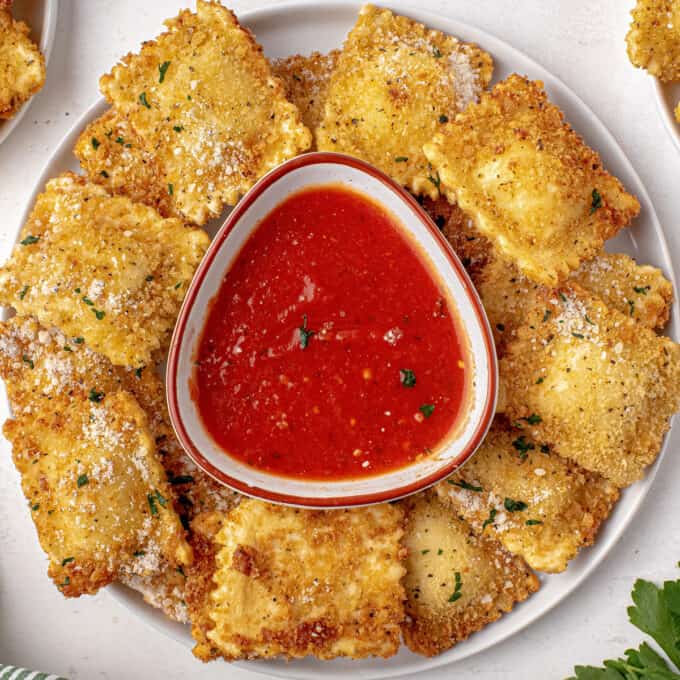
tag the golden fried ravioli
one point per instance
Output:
(283, 581)
(598, 387)
(395, 84)
(203, 99)
(654, 38)
(456, 582)
(97, 491)
(538, 505)
(112, 154)
(639, 291)
(306, 80)
(529, 181)
(102, 268)
(164, 590)
(22, 65)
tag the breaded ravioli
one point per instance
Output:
(529, 181)
(306, 80)
(103, 268)
(539, 506)
(456, 582)
(654, 38)
(639, 291)
(22, 65)
(282, 581)
(204, 100)
(96, 489)
(112, 154)
(598, 387)
(164, 590)
(395, 84)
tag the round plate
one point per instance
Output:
(41, 16)
(667, 97)
(306, 26)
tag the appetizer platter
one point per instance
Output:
(28, 28)
(534, 510)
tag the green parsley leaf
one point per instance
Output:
(465, 485)
(456, 595)
(539, 380)
(631, 305)
(82, 480)
(443, 118)
(534, 419)
(547, 315)
(436, 53)
(160, 498)
(171, 189)
(178, 285)
(95, 143)
(533, 522)
(490, 519)
(103, 173)
(120, 140)
(596, 202)
(563, 297)
(149, 278)
(400, 159)
(407, 377)
(305, 334)
(66, 560)
(180, 479)
(427, 409)
(642, 290)
(99, 314)
(139, 553)
(22, 293)
(87, 301)
(95, 396)
(79, 340)
(143, 100)
(35, 506)
(152, 504)
(162, 70)
(178, 128)
(424, 552)
(523, 446)
(66, 348)
(580, 336)
(66, 582)
(30, 240)
(27, 360)
(435, 180)
(138, 371)
(514, 506)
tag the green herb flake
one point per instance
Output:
(523, 446)
(105, 174)
(457, 594)
(533, 522)
(66, 348)
(545, 448)
(178, 128)
(427, 409)
(563, 297)
(66, 582)
(436, 52)
(139, 553)
(79, 340)
(149, 278)
(631, 305)
(143, 100)
(539, 380)
(120, 140)
(400, 159)
(435, 179)
(95, 396)
(440, 551)
(66, 560)
(138, 371)
(641, 290)
(534, 419)
(171, 189)
(160, 498)
(99, 314)
(596, 202)
(465, 485)
(35, 506)
(443, 118)
(22, 293)
(27, 360)
(178, 285)
(180, 479)
(514, 506)
(305, 333)
(424, 552)
(87, 301)
(82, 480)
(547, 314)
(162, 70)
(490, 519)
(580, 336)
(30, 240)
(407, 377)
(152, 504)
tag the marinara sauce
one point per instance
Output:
(329, 351)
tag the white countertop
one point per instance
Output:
(580, 41)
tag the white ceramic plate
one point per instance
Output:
(667, 97)
(41, 16)
(309, 25)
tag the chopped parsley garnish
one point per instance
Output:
(139, 553)
(523, 446)
(180, 479)
(143, 101)
(305, 333)
(82, 480)
(539, 380)
(533, 419)
(95, 143)
(138, 371)
(160, 498)
(401, 159)
(443, 118)
(631, 305)
(79, 340)
(27, 360)
(66, 582)
(580, 336)
(436, 53)
(545, 448)
(30, 240)
(596, 202)
(87, 301)
(35, 506)
(587, 318)
(178, 128)
(180, 570)
(178, 285)
(407, 377)
(66, 348)
(120, 140)
(514, 506)
(76, 290)
(22, 293)
(66, 560)
(435, 180)
(95, 396)
(642, 290)
(533, 522)
(563, 297)
(456, 595)
(427, 409)
(162, 70)
(465, 485)
(547, 315)
(149, 278)
(490, 519)
(440, 552)
(105, 174)
(171, 189)
(424, 552)
(152, 504)
(108, 133)
(99, 314)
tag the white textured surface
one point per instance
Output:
(578, 40)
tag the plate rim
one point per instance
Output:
(47, 39)
(132, 601)
(666, 110)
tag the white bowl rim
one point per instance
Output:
(485, 356)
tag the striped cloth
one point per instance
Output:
(14, 673)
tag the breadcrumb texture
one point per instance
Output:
(164, 590)
(112, 154)
(22, 65)
(204, 100)
(546, 508)
(529, 181)
(603, 386)
(395, 83)
(456, 582)
(654, 38)
(306, 81)
(282, 581)
(102, 267)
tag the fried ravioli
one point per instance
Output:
(306, 80)
(654, 38)
(539, 506)
(102, 268)
(112, 154)
(639, 291)
(164, 590)
(456, 582)
(396, 82)
(282, 581)
(600, 388)
(528, 180)
(22, 65)
(203, 98)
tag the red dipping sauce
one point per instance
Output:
(329, 351)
